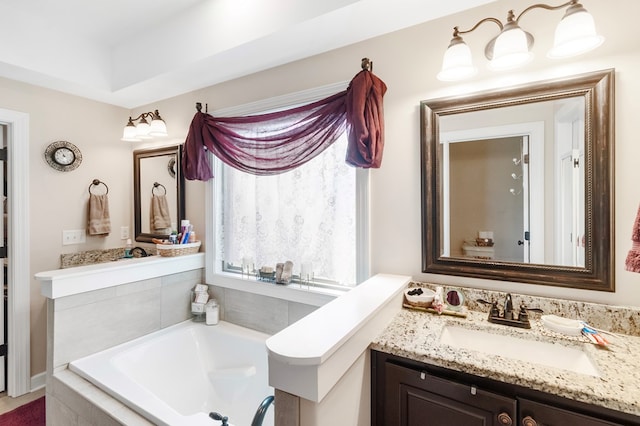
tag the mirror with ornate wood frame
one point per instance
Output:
(157, 174)
(590, 234)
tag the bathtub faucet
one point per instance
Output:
(262, 410)
(217, 416)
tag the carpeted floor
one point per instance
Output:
(29, 414)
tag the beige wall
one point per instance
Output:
(58, 200)
(407, 61)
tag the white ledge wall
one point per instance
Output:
(67, 282)
(310, 356)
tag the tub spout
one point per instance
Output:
(261, 411)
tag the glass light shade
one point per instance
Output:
(142, 129)
(130, 133)
(158, 128)
(457, 63)
(575, 34)
(511, 49)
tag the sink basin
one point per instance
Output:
(549, 354)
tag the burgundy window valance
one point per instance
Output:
(273, 143)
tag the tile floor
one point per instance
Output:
(7, 403)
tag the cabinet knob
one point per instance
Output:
(528, 421)
(505, 419)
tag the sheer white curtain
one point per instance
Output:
(305, 215)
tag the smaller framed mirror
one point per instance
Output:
(158, 192)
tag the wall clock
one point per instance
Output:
(63, 156)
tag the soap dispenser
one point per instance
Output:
(128, 249)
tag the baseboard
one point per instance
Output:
(38, 381)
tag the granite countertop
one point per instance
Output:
(416, 335)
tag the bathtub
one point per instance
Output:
(178, 375)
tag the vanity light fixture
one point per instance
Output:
(143, 129)
(574, 35)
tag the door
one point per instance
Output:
(513, 198)
(570, 188)
(3, 259)
(538, 414)
(416, 398)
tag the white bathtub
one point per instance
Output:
(178, 375)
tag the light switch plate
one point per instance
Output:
(75, 236)
(124, 232)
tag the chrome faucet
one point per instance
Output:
(507, 312)
(262, 410)
(139, 252)
(508, 316)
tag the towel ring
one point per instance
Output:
(97, 182)
(155, 186)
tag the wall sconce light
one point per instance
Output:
(574, 35)
(143, 129)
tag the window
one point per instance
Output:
(316, 214)
(308, 216)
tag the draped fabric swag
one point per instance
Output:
(268, 144)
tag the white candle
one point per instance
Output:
(247, 264)
(306, 269)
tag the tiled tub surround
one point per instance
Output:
(91, 308)
(258, 312)
(416, 335)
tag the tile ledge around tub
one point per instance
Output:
(315, 296)
(66, 282)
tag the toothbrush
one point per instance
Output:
(594, 336)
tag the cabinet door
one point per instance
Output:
(415, 398)
(538, 414)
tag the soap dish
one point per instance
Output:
(419, 296)
(571, 327)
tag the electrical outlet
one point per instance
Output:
(75, 236)
(124, 232)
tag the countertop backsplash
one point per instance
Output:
(617, 319)
(91, 257)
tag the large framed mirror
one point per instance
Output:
(158, 192)
(518, 183)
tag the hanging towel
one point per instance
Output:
(160, 217)
(99, 220)
(632, 263)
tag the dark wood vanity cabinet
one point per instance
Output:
(408, 393)
(534, 413)
(416, 398)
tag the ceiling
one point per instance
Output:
(131, 53)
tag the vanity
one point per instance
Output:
(517, 186)
(426, 366)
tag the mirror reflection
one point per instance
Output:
(158, 192)
(515, 179)
(517, 183)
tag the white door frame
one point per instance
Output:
(19, 277)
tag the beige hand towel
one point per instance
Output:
(99, 219)
(160, 217)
